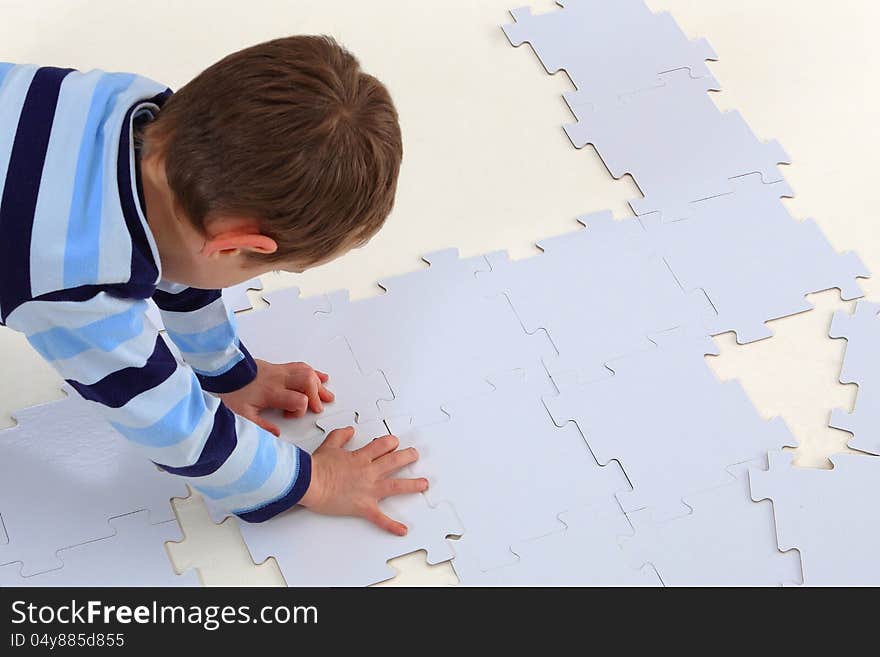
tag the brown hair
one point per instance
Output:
(291, 132)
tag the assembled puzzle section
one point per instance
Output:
(861, 365)
(584, 32)
(316, 550)
(586, 553)
(670, 424)
(598, 293)
(832, 517)
(754, 262)
(66, 472)
(291, 329)
(436, 334)
(726, 540)
(134, 555)
(506, 468)
(676, 144)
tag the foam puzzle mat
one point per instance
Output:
(566, 418)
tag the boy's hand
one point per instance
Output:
(351, 483)
(292, 387)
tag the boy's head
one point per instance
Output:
(280, 156)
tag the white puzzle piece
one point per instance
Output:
(672, 426)
(597, 292)
(316, 550)
(504, 466)
(134, 555)
(861, 365)
(751, 258)
(435, 335)
(291, 330)
(676, 144)
(235, 298)
(66, 471)
(584, 39)
(586, 553)
(832, 517)
(726, 540)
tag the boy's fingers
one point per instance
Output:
(396, 460)
(307, 386)
(390, 487)
(379, 447)
(321, 375)
(293, 403)
(382, 521)
(326, 396)
(338, 437)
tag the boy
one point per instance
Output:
(284, 155)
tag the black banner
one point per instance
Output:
(268, 620)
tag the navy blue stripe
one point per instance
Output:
(185, 301)
(23, 184)
(143, 266)
(86, 292)
(217, 449)
(242, 373)
(117, 389)
(293, 496)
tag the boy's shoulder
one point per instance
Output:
(75, 219)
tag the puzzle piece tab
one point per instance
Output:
(676, 144)
(751, 258)
(66, 471)
(669, 423)
(726, 540)
(584, 39)
(832, 517)
(503, 465)
(133, 556)
(861, 365)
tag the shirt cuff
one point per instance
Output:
(235, 378)
(290, 499)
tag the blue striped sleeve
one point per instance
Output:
(203, 328)
(116, 360)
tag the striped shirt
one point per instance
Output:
(77, 265)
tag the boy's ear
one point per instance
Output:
(229, 243)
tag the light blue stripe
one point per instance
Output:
(105, 334)
(4, 69)
(13, 91)
(217, 338)
(222, 370)
(257, 473)
(283, 493)
(174, 427)
(82, 254)
(52, 212)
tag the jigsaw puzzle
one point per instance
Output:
(751, 258)
(504, 467)
(597, 292)
(66, 471)
(315, 550)
(584, 39)
(436, 334)
(726, 540)
(675, 143)
(235, 297)
(670, 424)
(585, 553)
(861, 365)
(830, 516)
(133, 556)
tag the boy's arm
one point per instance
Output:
(108, 351)
(203, 328)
